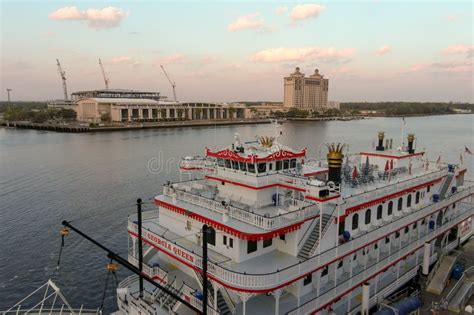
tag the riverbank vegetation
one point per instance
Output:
(36, 113)
(405, 108)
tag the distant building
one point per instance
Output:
(117, 93)
(306, 93)
(334, 105)
(265, 111)
(143, 110)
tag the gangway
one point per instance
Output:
(441, 275)
(461, 292)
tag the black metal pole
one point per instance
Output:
(140, 244)
(205, 230)
(131, 267)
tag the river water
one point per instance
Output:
(94, 180)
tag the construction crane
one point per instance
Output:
(62, 74)
(8, 92)
(106, 80)
(173, 84)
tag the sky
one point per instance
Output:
(223, 51)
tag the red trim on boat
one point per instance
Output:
(230, 230)
(388, 197)
(397, 157)
(253, 158)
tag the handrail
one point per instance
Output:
(458, 283)
(264, 222)
(307, 230)
(271, 279)
(362, 240)
(323, 232)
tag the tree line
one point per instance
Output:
(406, 108)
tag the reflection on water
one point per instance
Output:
(95, 178)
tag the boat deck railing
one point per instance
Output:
(302, 210)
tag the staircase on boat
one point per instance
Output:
(225, 306)
(313, 239)
(446, 184)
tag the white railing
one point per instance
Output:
(289, 274)
(152, 272)
(377, 192)
(187, 294)
(306, 210)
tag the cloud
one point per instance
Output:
(108, 17)
(175, 58)
(208, 59)
(283, 54)
(124, 60)
(306, 11)
(459, 49)
(232, 67)
(452, 18)
(249, 21)
(281, 10)
(383, 50)
(456, 67)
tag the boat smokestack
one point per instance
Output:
(411, 139)
(380, 147)
(335, 158)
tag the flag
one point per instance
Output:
(355, 173)
(466, 149)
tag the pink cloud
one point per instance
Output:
(306, 11)
(176, 58)
(451, 18)
(282, 54)
(124, 60)
(458, 67)
(107, 17)
(383, 50)
(459, 49)
(249, 21)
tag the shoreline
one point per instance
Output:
(75, 128)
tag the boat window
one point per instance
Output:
(279, 165)
(428, 188)
(270, 166)
(251, 246)
(409, 200)
(367, 216)
(293, 163)
(325, 271)
(400, 204)
(417, 197)
(379, 212)
(407, 229)
(390, 208)
(211, 236)
(286, 164)
(243, 166)
(262, 167)
(224, 240)
(251, 167)
(220, 162)
(415, 225)
(307, 280)
(228, 164)
(267, 242)
(355, 221)
(397, 234)
(231, 242)
(235, 165)
(282, 237)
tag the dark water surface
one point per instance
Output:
(95, 179)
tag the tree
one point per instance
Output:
(105, 117)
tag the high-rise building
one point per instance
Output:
(307, 93)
